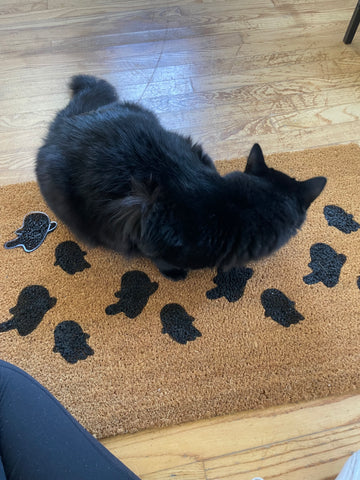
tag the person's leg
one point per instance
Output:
(2, 473)
(40, 440)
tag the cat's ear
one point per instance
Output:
(256, 163)
(311, 189)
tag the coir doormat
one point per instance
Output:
(125, 349)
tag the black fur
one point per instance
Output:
(118, 179)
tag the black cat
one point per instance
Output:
(117, 178)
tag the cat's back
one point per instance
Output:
(99, 153)
(128, 139)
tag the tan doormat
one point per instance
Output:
(125, 349)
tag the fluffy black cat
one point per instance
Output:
(118, 179)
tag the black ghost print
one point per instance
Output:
(32, 304)
(358, 282)
(70, 342)
(70, 257)
(231, 284)
(178, 324)
(337, 217)
(136, 289)
(326, 265)
(280, 308)
(30, 236)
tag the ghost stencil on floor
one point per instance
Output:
(178, 324)
(230, 284)
(70, 257)
(338, 218)
(136, 289)
(280, 308)
(30, 236)
(70, 342)
(326, 265)
(32, 304)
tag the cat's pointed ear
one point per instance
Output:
(311, 189)
(256, 163)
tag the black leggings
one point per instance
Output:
(40, 440)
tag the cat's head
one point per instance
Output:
(276, 200)
(306, 191)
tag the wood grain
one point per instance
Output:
(229, 73)
(310, 440)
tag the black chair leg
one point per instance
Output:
(353, 25)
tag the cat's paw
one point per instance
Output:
(174, 274)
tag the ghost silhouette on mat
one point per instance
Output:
(178, 324)
(70, 257)
(33, 303)
(280, 308)
(70, 342)
(30, 236)
(326, 265)
(230, 284)
(337, 217)
(136, 289)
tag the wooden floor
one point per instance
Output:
(229, 73)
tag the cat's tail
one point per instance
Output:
(82, 82)
(89, 93)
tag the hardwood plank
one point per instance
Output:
(138, 4)
(241, 444)
(193, 471)
(176, 22)
(11, 7)
(303, 457)
(334, 73)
